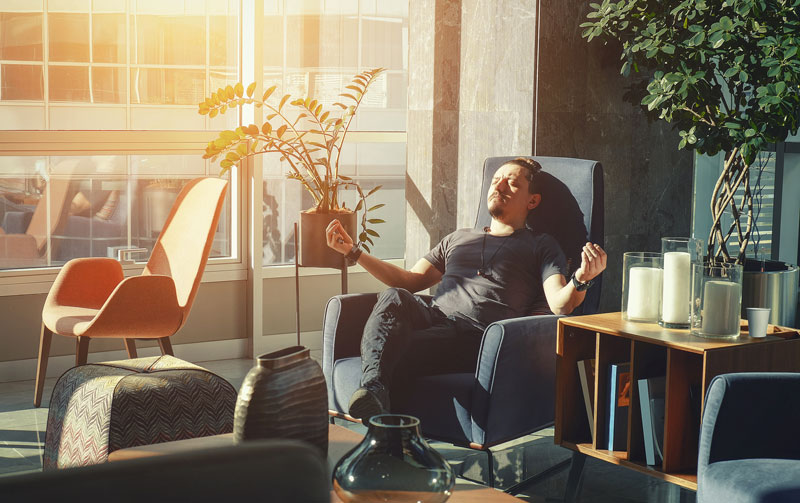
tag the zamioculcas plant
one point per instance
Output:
(306, 135)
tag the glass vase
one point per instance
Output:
(716, 299)
(679, 255)
(641, 286)
(393, 463)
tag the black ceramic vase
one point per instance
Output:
(283, 396)
(393, 463)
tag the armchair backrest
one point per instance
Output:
(184, 244)
(571, 209)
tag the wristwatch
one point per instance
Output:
(354, 254)
(581, 286)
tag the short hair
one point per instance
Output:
(533, 171)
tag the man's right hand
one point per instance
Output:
(337, 237)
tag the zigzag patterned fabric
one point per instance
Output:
(99, 408)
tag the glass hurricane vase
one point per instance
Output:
(393, 463)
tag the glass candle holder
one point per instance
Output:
(716, 299)
(679, 255)
(641, 286)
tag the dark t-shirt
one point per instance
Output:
(516, 267)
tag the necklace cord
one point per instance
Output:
(483, 271)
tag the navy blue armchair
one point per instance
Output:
(749, 442)
(512, 391)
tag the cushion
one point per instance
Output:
(99, 408)
(753, 480)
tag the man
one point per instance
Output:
(504, 271)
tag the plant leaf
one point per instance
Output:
(250, 89)
(238, 89)
(376, 207)
(268, 92)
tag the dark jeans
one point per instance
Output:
(405, 336)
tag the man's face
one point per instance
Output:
(509, 197)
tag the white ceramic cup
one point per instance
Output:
(757, 319)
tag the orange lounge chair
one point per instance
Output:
(91, 298)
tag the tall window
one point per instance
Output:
(775, 183)
(99, 100)
(313, 48)
(100, 65)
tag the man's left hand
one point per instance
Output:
(593, 262)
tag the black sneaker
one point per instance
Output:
(369, 400)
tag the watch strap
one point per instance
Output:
(581, 286)
(354, 254)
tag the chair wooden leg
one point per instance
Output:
(130, 346)
(81, 351)
(41, 368)
(166, 346)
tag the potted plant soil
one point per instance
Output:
(310, 139)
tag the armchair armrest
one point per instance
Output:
(750, 415)
(85, 282)
(343, 324)
(140, 307)
(514, 389)
(17, 222)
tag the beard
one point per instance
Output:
(495, 210)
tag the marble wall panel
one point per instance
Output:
(582, 113)
(483, 105)
(421, 26)
(487, 134)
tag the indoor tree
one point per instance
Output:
(725, 74)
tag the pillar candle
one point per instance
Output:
(675, 297)
(644, 293)
(721, 308)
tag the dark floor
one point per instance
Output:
(22, 439)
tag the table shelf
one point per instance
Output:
(688, 362)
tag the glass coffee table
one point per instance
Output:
(340, 440)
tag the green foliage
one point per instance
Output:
(312, 152)
(724, 73)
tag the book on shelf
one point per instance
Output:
(586, 374)
(652, 405)
(619, 394)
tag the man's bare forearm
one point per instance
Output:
(567, 299)
(392, 275)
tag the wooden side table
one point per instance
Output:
(340, 441)
(689, 362)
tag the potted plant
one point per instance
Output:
(726, 75)
(310, 139)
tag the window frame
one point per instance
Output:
(246, 235)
